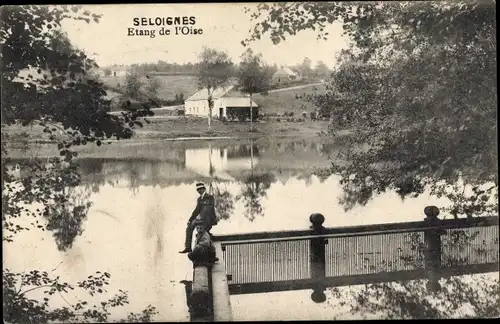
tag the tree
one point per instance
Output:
(152, 87)
(107, 71)
(45, 87)
(214, 72)
(439, 89)
(253, 76)
(421, 106)
(304, 68)
(133, 84)
(20, 308)
(321, 70)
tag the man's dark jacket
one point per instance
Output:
(205, 208)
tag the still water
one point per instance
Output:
(143, 193)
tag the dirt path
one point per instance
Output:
(297, 87)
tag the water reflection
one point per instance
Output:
(216, 161)
(251, 166)
(254, 189)
(143, 194)
(154, 227)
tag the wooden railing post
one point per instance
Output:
(317, 257)
(432, 239)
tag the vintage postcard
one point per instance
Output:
(249, 161)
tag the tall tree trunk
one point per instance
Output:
(251, 114)
(210, 165)
(210, 106)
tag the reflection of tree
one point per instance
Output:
(134, 179)
(92, 170)
(224, 201)
(51, 192)
(307, 177)
(55, 186)
(155, 220)
(66, 219)
(254, 189)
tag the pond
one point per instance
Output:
(143, 193)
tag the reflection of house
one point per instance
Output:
(285, 75)
(221, 159)
(228, 103)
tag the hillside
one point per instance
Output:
(172, 85)
(274, 102)
(286, 101)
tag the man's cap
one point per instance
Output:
(200, 185)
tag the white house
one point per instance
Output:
(228, 103)
(285, 75)
(117, 70)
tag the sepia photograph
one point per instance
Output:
(259, 161)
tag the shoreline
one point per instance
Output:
(180, 130)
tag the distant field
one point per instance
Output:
(285, 101)
(171, 85)
(274, 102)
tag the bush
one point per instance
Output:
(278, 120)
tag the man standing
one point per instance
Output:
(203, 214)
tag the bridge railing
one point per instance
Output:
(426, 249)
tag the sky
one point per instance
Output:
(224, 26)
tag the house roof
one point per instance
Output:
(203, 94)
(238, 102)
(289, 71)
(285, 71)
(238, 98)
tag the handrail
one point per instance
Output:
(334, 235)
(405, 227)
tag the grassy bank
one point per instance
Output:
(286, 101)
(182, 127)
(198, 127)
